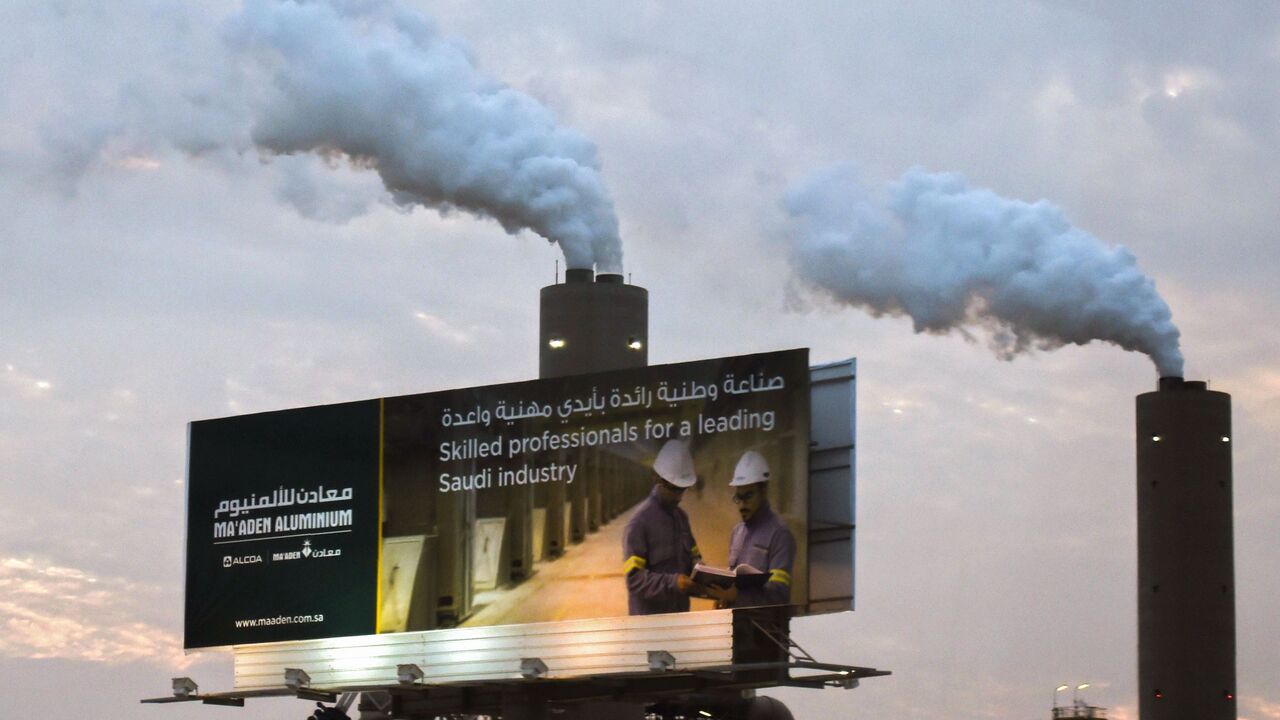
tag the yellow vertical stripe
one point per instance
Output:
(382, 431)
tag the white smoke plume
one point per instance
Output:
(366, 82)
(952, 257)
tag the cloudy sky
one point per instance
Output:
(160, 262)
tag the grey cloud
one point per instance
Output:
(55, 611)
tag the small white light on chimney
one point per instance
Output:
(635, 344)
(556, 343)
(1226, 439)
(1155, 438)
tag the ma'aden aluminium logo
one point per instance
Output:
(307, 552)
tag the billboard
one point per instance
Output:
(669, 488)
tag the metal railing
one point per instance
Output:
(1079, 712)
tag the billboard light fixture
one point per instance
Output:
(661, 660)
(555, 343)
(296, 678)
(184, 687)
(408, 674)
(533, 668)
(635, 343)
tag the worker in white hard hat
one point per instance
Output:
(761, 540)
(658, 548)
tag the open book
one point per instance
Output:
(743, 576)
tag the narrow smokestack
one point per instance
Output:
(587, 326)
(1186, 576)
(579, 275)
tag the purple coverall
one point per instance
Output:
(765, 543)
(656, 546)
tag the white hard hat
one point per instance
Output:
(675, 465)
(751, 469)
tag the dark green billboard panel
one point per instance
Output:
(282, 525)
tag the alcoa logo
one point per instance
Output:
(229, 561)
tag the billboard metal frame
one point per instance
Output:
(832, 486)
(753, 646)
(618, 659)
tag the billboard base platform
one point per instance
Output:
(709, 663)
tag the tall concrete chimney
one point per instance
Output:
(589, 323)
(1186, 575)
(592, 326)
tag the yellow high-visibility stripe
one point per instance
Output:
(779, 575)
(635, 562)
